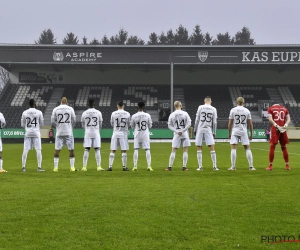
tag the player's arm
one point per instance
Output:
(214, 128)
(230, 122)
(53, 119)
(82, 120)
(132, 122)
(187, 124)
(171, 127)
(287, 120)
(23, 121)
(2, 122)
(41, 120)
(196, 121)
(250, 124)
(112, 120)
(73, 118)
(100, 121)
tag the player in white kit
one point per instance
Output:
(179, 122)
(141, 122)
(205, 130)
(91, 120)
(120, 121)
(239, 117)
(32, 120)
(2, 125)
(63, 117)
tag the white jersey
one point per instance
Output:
(240, 116)
(32, 120)
(63, 117)
(206, 119)
(91, 120)
(120, 121)
(2, 121)
(141, 122)
(180, 121)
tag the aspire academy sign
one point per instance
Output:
(76, 56)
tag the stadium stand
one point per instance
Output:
(15, 99)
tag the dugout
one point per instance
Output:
(260, 73)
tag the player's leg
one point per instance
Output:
(69, 140)
(274, 137)
(27, 147)
(113, 147)
(124, 147)
(176, 142)
(199, 142)
(283, 139)
(1, 160)
(38, 148)
(233, 143)
(146, 146)
(87, 143)
(96, 144)
(136, 146)
(58, 146)
(85, 158)
(210, 142)
(185, 144)
(246, 143)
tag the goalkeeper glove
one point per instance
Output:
(281, 129)
(285, 125)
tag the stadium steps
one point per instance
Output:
(256, 117)
(178, 95)
(55, 97)
(154, 115)
(275, 95)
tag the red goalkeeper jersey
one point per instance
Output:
(278, 113)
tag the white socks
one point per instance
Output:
(172, 157)
(135, 158)
(199, 157)
(148, 157)
(124, 159)
(56, 160)
(111, 159)
(85, 157)
(249, 157)
(72, 162)
(24, 157)
(39, 158)
(233, 157)
(213, 158)
(98, 157)
(184, 159)
(1, 164)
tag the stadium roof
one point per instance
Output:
(187, 56)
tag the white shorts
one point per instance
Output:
(122, 142)
(0, 145)
(67, 140)
(141, 142)
(207, 137)
(32, 142)
(180, 141)
(92, 142)
(235, 139)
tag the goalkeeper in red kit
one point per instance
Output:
(279, 117)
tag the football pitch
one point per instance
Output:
(150, 210)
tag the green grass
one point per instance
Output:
(149, 210)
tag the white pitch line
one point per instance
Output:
(262, 149)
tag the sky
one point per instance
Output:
(270, 21)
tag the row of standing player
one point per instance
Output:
(63, 117)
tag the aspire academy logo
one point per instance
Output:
(76, 56)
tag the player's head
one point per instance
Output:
(31, 103)
(240, 101)
(207, 100)
(141, 105)
(177, 105)
(64, 100)
(120, 105)
(91, 103)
